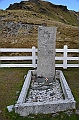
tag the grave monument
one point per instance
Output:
(46, 52)
(45, 89)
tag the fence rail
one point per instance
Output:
(33, 58)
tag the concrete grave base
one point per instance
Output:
(24, 108)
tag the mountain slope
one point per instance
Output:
(57, 12)
(19, 28)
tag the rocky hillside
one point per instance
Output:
(19, 24)
(57, 12)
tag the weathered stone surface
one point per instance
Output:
(46, 52)
(12, 28)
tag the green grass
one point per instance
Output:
(60, 116)
(11, 81)
(72, 77)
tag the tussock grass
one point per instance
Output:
(66, 33)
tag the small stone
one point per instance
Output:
(17, 92)
(55, 114)
(31, 117)
(25, 76)
(44, 87)
(77, 112)
(34, 100)
(41, 100)
(51, 94)
(61, 116)
(10, 108)
(38, 96)
(50, 83)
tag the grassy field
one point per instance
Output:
(11, 80)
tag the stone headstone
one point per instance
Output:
(46, 52)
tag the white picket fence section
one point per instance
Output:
(64, 58)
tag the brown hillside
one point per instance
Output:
(19, 28)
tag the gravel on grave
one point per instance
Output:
(44, 90)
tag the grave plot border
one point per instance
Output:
(24, 109)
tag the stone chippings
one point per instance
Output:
(44, 91)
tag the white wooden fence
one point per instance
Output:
(64, 57)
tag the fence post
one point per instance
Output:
(65, 57)
(33, 57)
